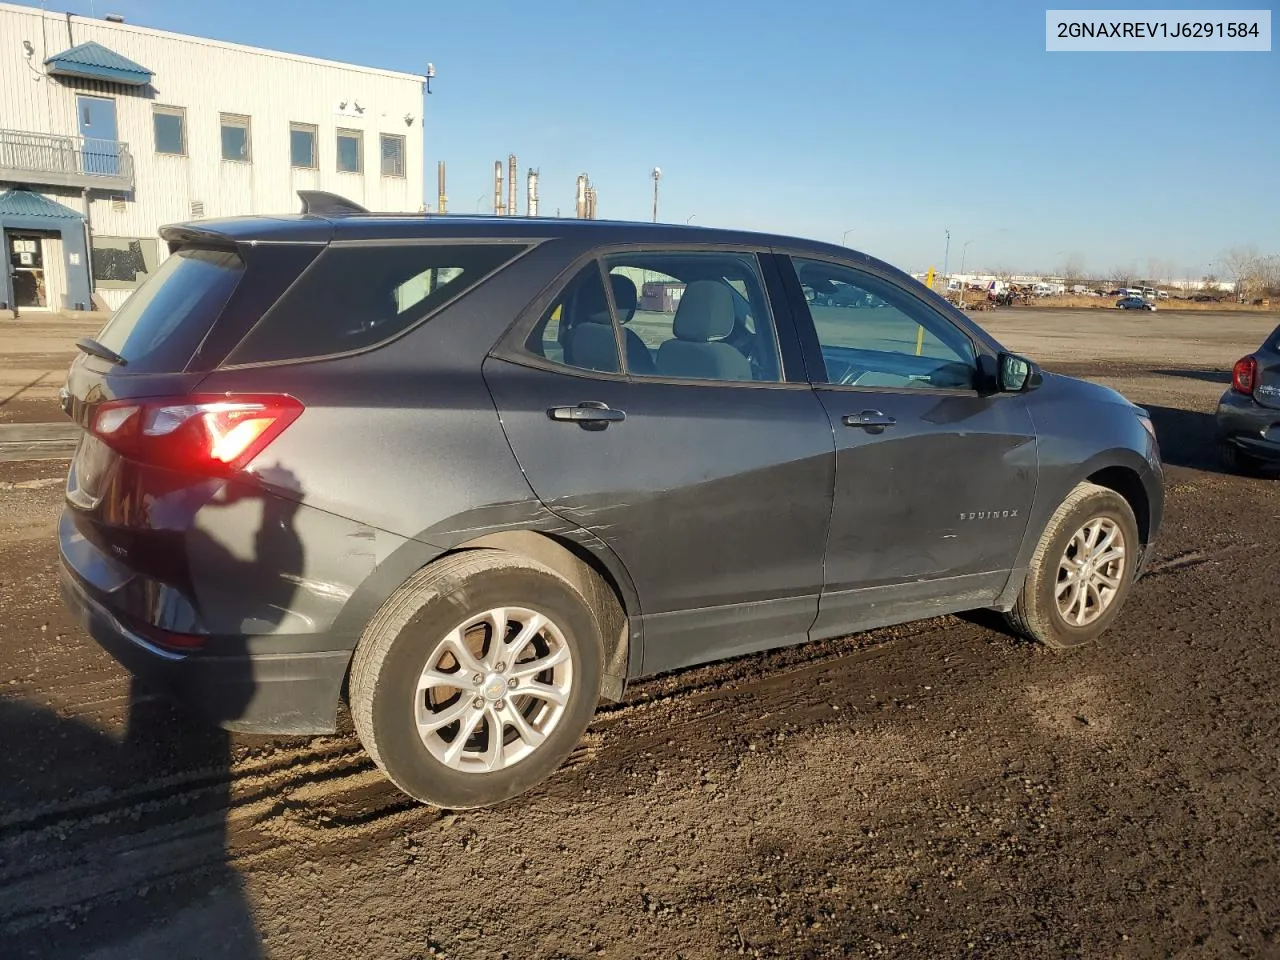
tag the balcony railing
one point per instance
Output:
(47, 159)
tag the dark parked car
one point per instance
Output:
(444, 468)
(1249, 413)
(1134, 303)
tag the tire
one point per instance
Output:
(1037, 614)
(1237, 461)
(388, 705)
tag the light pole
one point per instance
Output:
(845, 235)
(479, 200)
(690, 219)
(946, 254)
(657, 175)
(963, 250)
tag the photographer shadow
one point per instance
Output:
(116, 846)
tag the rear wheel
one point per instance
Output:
(1237, 461)
(1082, 570)
(476, 679)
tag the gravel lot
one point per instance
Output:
(932, 790)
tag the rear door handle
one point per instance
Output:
(591, 414)
(873, 421)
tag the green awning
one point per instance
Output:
(24, 203)
(93, 61)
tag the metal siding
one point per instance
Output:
(208, 78)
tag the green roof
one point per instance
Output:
(24, 203)
(93, 61)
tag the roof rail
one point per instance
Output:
(321, 203)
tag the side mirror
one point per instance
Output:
(1016, 374)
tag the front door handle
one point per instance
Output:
(872, 421)
(590, 414)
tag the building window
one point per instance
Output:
(170, 130)
(350, 150)
(122, 263)
(392, 155)
(235, 138)
(302, 145)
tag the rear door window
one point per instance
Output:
(358, 296)
(697, 315)
(158, 328)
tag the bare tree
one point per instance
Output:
(1122, 276)
(1240, 263)
(1072, 270)
(1268, 276)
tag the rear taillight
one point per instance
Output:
(202, 434)
(1244, 376)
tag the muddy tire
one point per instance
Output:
(1081, 571)
(476, 678)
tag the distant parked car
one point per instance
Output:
(1249, 413)
(1134, 303)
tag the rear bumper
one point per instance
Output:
(282, 693)
(1253, 428)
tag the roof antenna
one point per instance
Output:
(321, 203)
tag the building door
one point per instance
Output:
(97, 119)
(26, 266)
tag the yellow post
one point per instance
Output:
(919, 340)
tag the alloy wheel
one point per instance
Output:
(493, 689)
(1090, 572)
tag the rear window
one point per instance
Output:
(355, 297)
(158, 328)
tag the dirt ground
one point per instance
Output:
(933, 790)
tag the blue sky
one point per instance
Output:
(891, 121)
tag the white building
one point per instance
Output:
(109, 130)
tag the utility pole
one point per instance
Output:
(963, 251)
(657, 175)
(845, 236)
(946, 255)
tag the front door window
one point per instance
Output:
(873, 334)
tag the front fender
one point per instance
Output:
(1087, 431)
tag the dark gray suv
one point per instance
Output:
(1248, 417)
(472, 475)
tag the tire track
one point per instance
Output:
(65, 858)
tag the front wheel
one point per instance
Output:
(1081, 571)
(476, 679)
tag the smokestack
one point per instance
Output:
(513, 206)
(591, 203)
(442, 199)
(532, 199)
(497, 187)
(580, 206)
